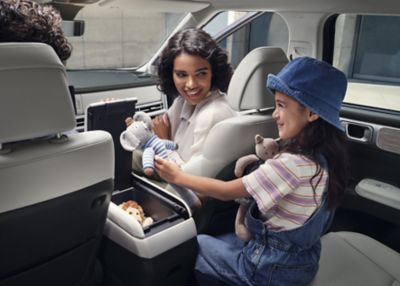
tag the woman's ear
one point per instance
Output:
(312, 116)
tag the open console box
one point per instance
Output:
(162, 253)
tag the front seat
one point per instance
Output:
(55, 189)
(247, 94)
(234, 137)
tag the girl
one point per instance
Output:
(293, 198)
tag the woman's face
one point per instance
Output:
(192, 77)
(290, 116)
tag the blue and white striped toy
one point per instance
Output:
(139, 135)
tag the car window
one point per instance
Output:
(223, 20)
(119, 38)
(267, 29)
(367, 49)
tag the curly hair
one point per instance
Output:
(193, 42)
(324, 143)
(29, 21)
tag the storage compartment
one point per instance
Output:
(164, 212)
(163, 253)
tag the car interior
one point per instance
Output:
(63, 173)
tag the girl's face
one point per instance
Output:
(290, 116)
(192, 77)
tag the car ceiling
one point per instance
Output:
(317, 6)
(339, 6)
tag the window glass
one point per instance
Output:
(119, 38)
(367, 49)
(268, 29)
(223, 20)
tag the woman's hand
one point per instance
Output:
(128, 121)
(162, 127)
(167, 170)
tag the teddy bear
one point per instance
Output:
(140, 135)
(265, 148)
(135, 210)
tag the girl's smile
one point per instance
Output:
(290, 116)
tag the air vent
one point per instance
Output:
(80, 123)
(152, 109)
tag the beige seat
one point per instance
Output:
(55, 190)
(234, 137)
(247, 94)
(350, 259)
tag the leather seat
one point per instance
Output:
(349, 259)
(234, 137)
(247, 93)
(55, 189)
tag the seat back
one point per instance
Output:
(234, 137)
(55, 190)
(247, 89)
(247, 93)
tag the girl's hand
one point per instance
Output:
(162, 127)
(167, 170)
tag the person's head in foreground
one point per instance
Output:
(30, 21)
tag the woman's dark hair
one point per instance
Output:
(325, 144)
(29, 21)
(193, 42)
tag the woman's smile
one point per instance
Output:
(192, 77)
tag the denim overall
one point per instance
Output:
(269, 258)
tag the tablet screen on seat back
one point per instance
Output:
(110, 116)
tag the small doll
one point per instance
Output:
(135, 210)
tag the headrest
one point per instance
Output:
(35, 99)
(247, 87)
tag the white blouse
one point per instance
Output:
(190, 124)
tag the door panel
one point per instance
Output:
(371, 205)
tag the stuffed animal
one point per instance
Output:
(266, 148)
(139, 135)
(135, 210)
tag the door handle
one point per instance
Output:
(359, 132)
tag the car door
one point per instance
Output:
(366, 49)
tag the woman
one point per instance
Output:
(194, 71)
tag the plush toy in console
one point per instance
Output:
(266, 148)
(140, 135)
(135, 210)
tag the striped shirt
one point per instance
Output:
(282, 190)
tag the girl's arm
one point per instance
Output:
(210, 187)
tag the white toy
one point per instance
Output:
(139, 135)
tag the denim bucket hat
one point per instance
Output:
(315, 84)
